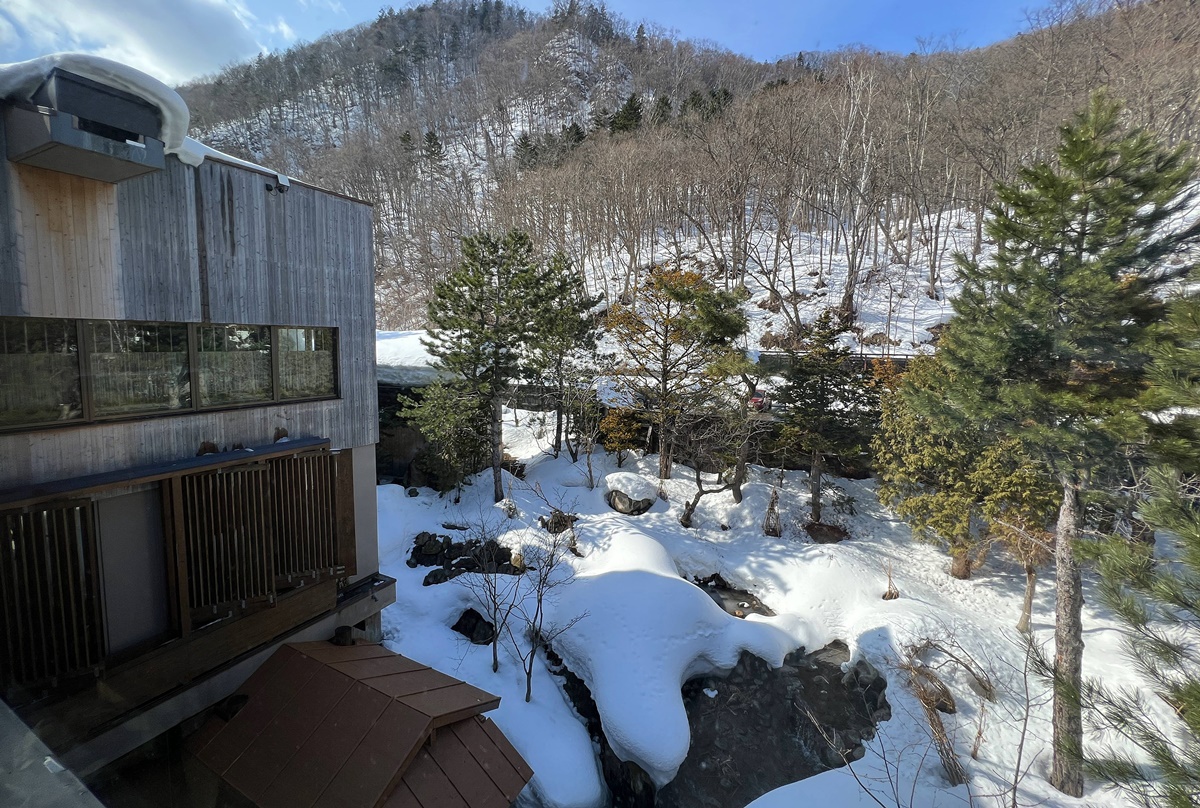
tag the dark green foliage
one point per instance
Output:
(674, 335)
(456, 426)
(831, 405)
(628, 117)
(433, 151)
(1159, 602)
(951, 485)
(525, 152)
(486, 317)
(1051, 338)
(661, 113)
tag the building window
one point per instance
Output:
(138, 367)
(234, 364)
(306, 363)
(39, 372)
(80, 371)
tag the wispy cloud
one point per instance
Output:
(173, 41)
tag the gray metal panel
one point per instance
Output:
(132, 549)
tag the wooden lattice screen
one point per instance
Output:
(252, 531)
(226, 533)
(49, 598)
(305, 526)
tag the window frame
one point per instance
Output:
(85, 352)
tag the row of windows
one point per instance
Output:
(56, 371)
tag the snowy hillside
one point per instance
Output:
(645, 629)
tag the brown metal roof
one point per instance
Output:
(350, 726)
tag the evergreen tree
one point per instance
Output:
(570, 332)
(433, 151)
(831, 405)
(1159, 602)
(450, 417)
(953, 487)
(628, 117)
(678, 328)
(484, 321)
(525, 152)
(1049, 341)
(639, 39)
(662, 110)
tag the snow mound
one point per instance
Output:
(645, 632)
(633, 485)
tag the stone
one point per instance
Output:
(621, 502)
(629, 493)
(436, 576)
(826, 534)
(472, 625)
(557, 521)
(414, 492)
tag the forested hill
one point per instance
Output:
(841, 179)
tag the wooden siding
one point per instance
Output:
(204, 244)
(68, 246)
(12, 297)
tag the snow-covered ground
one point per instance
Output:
(644, 629)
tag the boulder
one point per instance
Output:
(557, 521)
(475, 628)
(629, 493)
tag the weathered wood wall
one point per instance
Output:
(206, 244)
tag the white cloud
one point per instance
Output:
(332, 5)
(281, 29)
(8, 32)
(173, 41)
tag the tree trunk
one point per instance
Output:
(559, 394)
(739, 470)
(690, 508)
(1066, 774)
(814, 486)
(960, 565)
(495, 430)
(1030, 591)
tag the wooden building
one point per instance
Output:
(167, 316)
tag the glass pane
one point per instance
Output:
(235, 364)
(39, 371)
(139, 367)
(306, 363)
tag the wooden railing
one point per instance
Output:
(241, 530)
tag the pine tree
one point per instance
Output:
(1048, 344)
(831, 406)
(486, 318)
(673, 334)
(628, 117)
(452, 419)
(525, 152)
(566, 335)
(639, 39)
(953, 487)
(1159, 602)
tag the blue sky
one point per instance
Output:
(175, 40)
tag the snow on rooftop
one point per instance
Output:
(20, 80)
(401, 358)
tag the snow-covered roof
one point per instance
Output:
(402, 359)
(19, 81)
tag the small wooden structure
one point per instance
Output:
(320, 724)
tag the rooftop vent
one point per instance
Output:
(82, 127)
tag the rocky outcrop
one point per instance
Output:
(753, 730)
(451, 558)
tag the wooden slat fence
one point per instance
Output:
(49, 614)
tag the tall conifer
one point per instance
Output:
(1050, 339)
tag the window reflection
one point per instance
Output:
(39, 371)
(139, 367)
(306, 366)
(234, 363)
